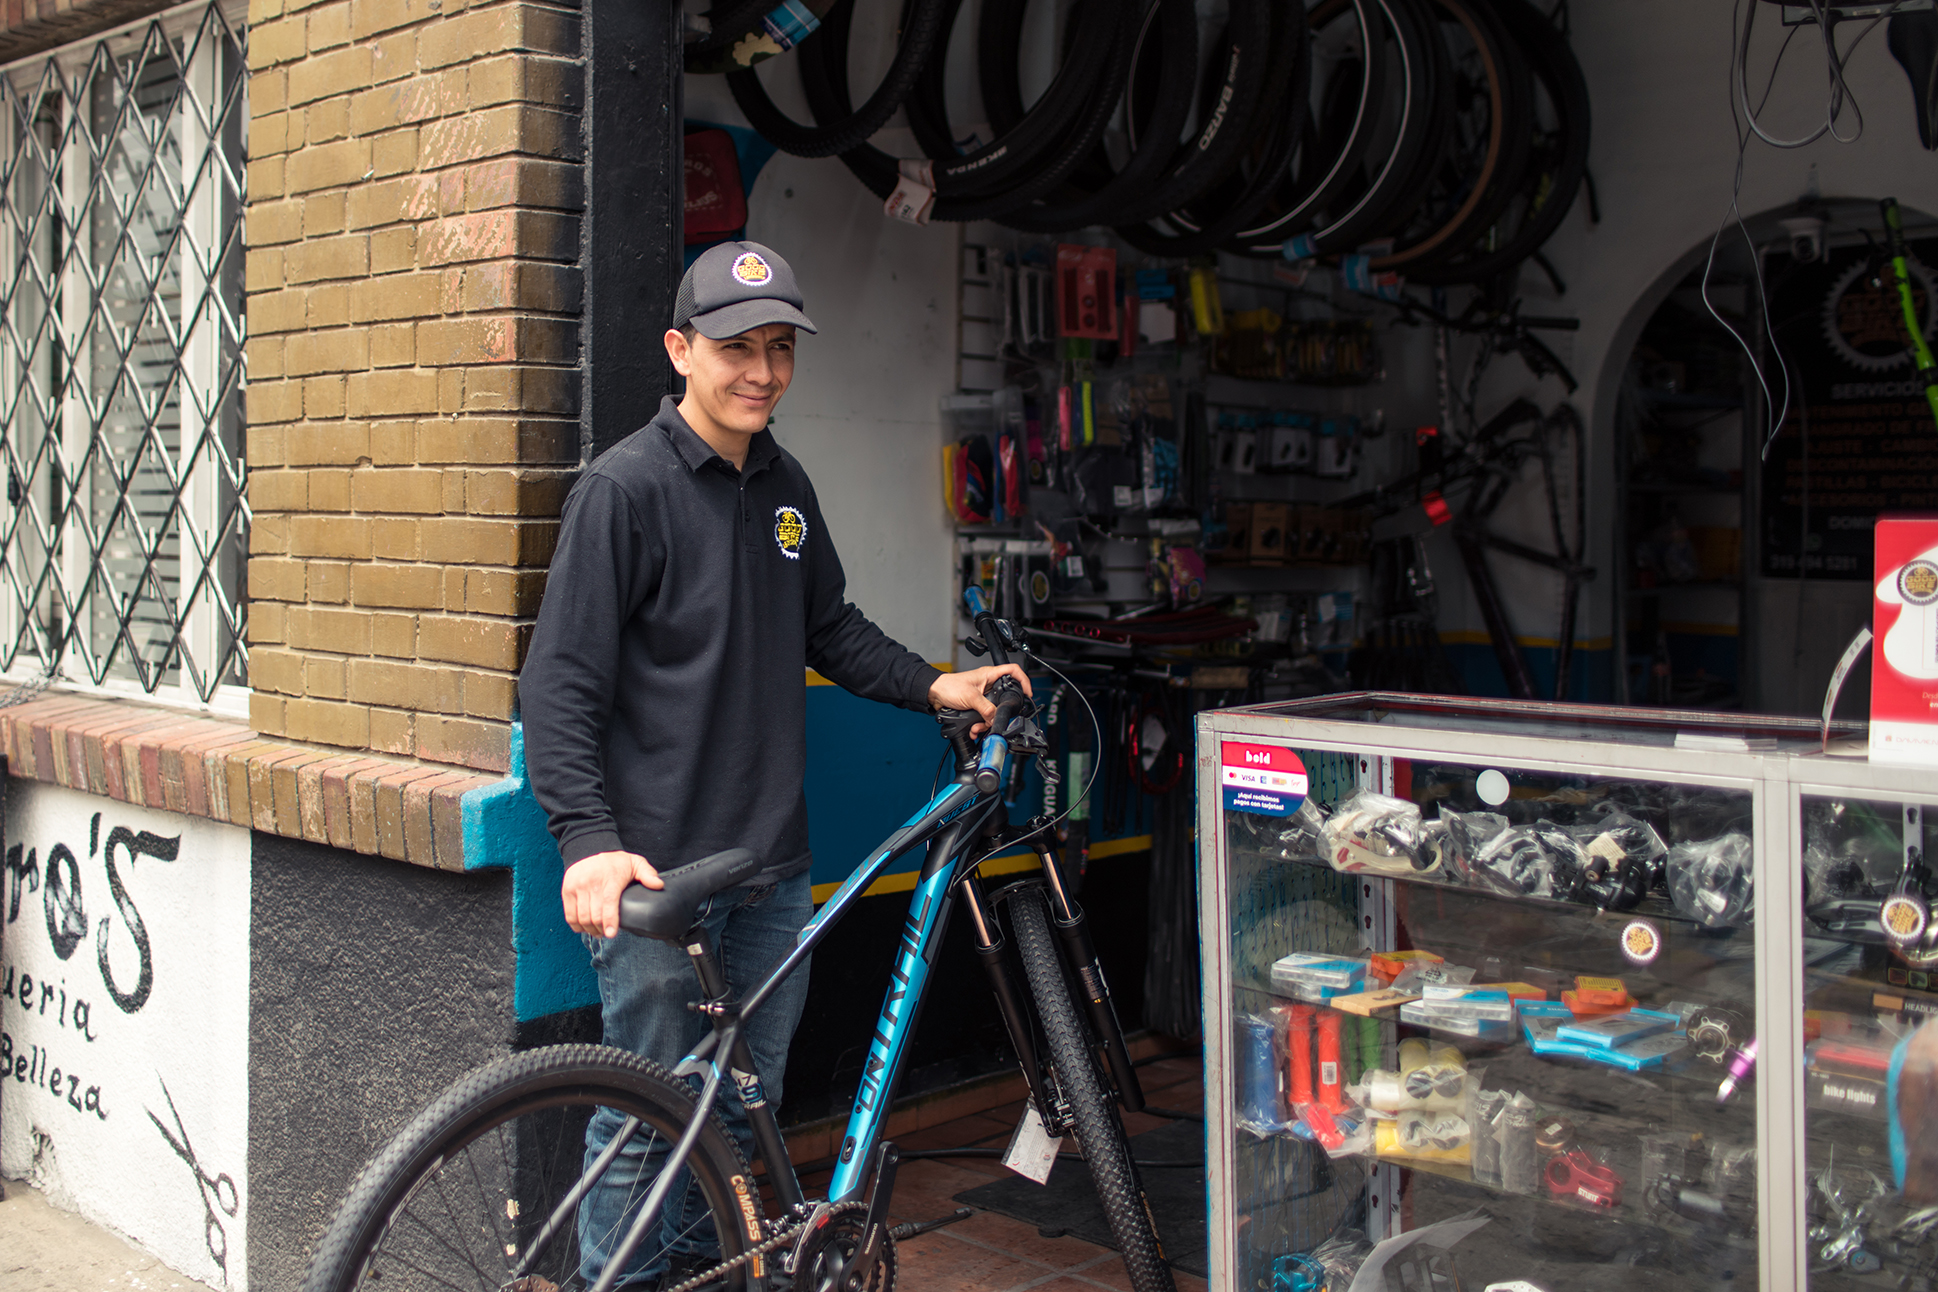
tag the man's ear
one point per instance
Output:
(679, 352)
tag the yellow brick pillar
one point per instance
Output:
(414, 297)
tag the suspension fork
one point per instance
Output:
(988, 938)
(1073, 928)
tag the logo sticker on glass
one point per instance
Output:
(1268, 779)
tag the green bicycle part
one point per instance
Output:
(1901, 272)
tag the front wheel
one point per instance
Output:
(462, 1197)
(1100, 1132)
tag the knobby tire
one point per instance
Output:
(1100, 1132)
(380, 1219)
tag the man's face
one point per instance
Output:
(736, 382)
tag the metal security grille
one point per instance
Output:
(123, 550)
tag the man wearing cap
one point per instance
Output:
(664, 695)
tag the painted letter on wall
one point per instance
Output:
(124, 1024)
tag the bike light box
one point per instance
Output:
(1904, 663)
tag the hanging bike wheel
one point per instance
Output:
(1022, 164)
(1557, 161)
(1469, 178)
(924, 21)
(461, 1197)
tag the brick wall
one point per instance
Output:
(413, 302)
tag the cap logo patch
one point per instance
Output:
(790, 531)
(751, 269)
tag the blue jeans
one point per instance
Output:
(644, 987)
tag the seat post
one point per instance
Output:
(699, 949)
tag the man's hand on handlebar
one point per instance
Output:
(964, 690)
(592, 887)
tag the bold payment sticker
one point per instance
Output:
(1268, 779)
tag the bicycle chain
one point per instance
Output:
(708, 1276)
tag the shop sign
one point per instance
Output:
(1267, 779)
(124, 1021)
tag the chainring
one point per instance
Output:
(823, 1251)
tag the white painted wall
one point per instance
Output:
(91, 1060)
(862, 413)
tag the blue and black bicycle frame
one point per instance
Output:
(962, 826)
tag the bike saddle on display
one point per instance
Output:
(667, 913)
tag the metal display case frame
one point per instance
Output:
(1469, 731)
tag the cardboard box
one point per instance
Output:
(1270, 521)
(1904, 658)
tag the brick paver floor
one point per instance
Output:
(994, 1253)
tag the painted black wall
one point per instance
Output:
(373, 984)
(960, 1035)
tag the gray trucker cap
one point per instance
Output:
(737, 287)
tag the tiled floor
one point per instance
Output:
(993, 1253)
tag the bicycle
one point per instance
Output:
(486, 1187)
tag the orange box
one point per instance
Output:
(1387, 964)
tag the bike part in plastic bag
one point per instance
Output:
(1540, 860)
(1623, 856)
(1372, 832)
(1712, 882)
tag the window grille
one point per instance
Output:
(124, 546)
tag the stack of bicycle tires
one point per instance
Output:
(1443, 140)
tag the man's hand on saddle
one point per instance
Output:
(593, 885)
(964, 690)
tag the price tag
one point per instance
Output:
(911, 201)
(1032, 1152)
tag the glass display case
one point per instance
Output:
(1539, 969)
(1870, 968)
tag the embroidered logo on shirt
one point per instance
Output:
(751, 269)
(790, 531)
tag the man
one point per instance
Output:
(664, 694)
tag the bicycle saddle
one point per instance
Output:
(667, 913)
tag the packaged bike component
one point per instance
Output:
(1375, 833)
(1298, 1052)
(1086, 292)
(1364, 1040)
(1434, 1136)
(1484, 1116)
(1207, 311)
(1467, 834)
(1577, 1177)
(1622, 855)
(1831, 1087)
(1261, 1077)
(1540, 860)
(1418, 975)
(1458, 1024)
(1270, 521)
(1329, 1061)
(1336, 452)
(1612, 1030)
(1368, 1003)
(1388, 964)
(1712, 882)
(1554, 1135)
(1520, 1161)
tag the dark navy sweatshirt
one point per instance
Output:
(664, 695)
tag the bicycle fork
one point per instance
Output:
(1073, 931)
